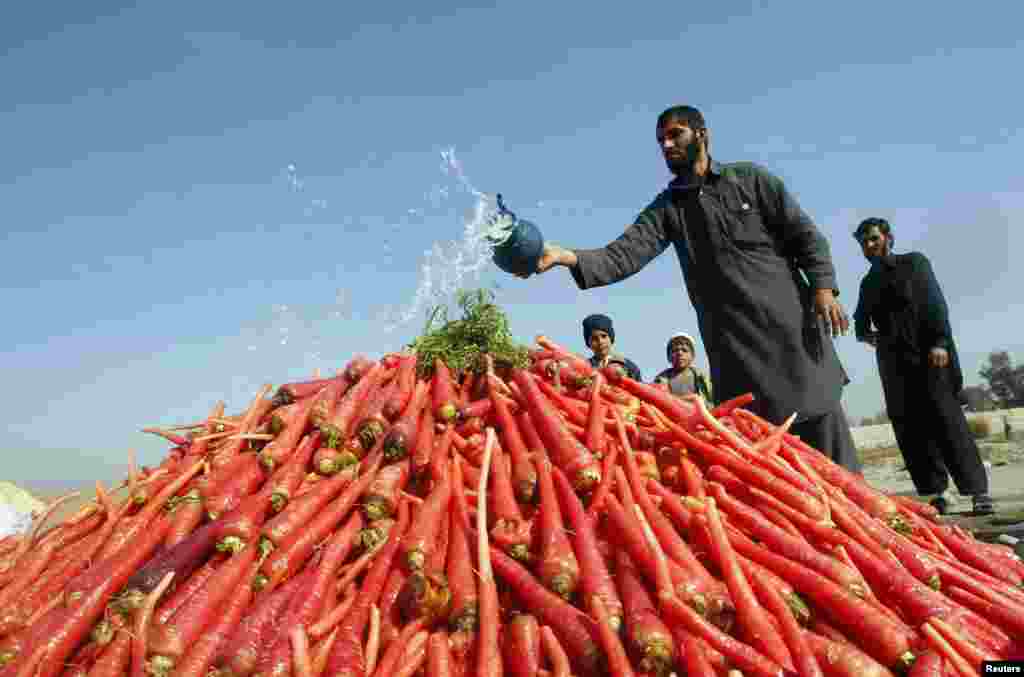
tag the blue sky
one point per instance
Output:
(196, 199)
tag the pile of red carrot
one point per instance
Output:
(548, 521)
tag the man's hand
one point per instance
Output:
(831, 311)
(938, 357)
(553, 255)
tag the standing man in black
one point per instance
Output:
(759, 274)
(902, 312)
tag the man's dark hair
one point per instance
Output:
(873, 222)
(688, 115)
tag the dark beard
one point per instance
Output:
(684, 166)
(680, 167)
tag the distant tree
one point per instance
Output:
(1005, 381)
(978, 398)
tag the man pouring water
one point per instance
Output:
(759, 275)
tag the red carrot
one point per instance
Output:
(565, 451)
(200, 655)
(595, 581)
(443, 393)
(556, 654)
(303, 508)
(390, 612)
(727, 407)
(336, 428)
(679, 411)
(783, 543)
(595, 440)
(243, 482)
(488, 656)
(440, 662)
(557, 566)
(185, 589)
(401, 438)
(879, 636)
(615, 654)
(461, 579)
(116, 658)
(753, 475)
(968, 553)
(346, 658)
(509, 530)
(169, 641)
(285, 482)
(647, 637)
(239, 654)
(521, 645)
(752, 617)
(478, 409)
(993, 608)
(423, 450)
(187, 514)
(418, 544)
(778, 605)
(840, 659)
(928, 664)
(692, 478)
(382, 496)
(695, 654)
(574, 629)
(282, 446)
(524, 475)
(405, 381)
(607, 476)
(293, 553)
(308, 602)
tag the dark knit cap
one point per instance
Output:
(592, 323)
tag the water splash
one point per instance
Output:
(449, 266)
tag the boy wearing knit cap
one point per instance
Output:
(599, 334)
(682, 378)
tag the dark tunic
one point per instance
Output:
(902, 306)
(751, 259)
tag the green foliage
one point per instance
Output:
(461, 343)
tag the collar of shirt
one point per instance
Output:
(689, 181)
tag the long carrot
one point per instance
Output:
(461, 579)
(285, 482)
(200, 655)
(524, 475)
(565, 451)
(488, 656)
(557, 565)
(574, 629)
(401, 438)
(282, 446)
(509, 530)
(422, 537)
(382, 496)
(346, 658)
(169, 641)
(302, 509)
(647, 637)
(443, 393)
(294, 552)
(521, 645)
